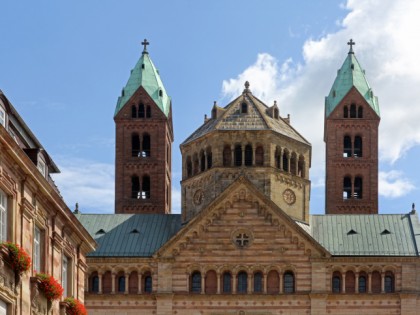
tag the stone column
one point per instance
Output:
(343, 288)
(113, 275)
(139, 285)
(232, 155)
(369, 282)
(253, 155)
(203, 283)
(243, 155)
(100, 283)
(127, 278)
(234, 283)
(218, 283)
(281, 283)
(249, 288)
(265, 283)
(356, 289)
(383, 282)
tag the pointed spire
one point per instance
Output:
(351, 43)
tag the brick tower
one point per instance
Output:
(351, 137)
(143, 142)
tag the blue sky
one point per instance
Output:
(63, 65)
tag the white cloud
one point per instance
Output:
(393, 184)
(386, 46)
(89, 183)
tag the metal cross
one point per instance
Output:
(351, 43)
(145, 43)
(242, 239)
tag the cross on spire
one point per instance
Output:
(145, 43)
(351, 43)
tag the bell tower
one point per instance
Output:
(351, 138)
(143, 142)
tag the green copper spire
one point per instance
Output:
(146, 75)
(351, 74)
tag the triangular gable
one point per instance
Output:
(242, 190)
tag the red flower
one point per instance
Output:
(51, 288)
(75, 307)
(19, 259)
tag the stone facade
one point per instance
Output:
(35, 217)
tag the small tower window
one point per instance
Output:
(145, 192)
(289, 282)
(285, 161)
(258, 282)
(227, 156)
(360, 112)
(248, 155)
(244, 108)
(238, 155)
(347, 147)
(358, 188)
(346, 112)
(301, 166)
(209, 158)
(142, 65)
(389, 282)
(195, 164)
(95, 284)
(135, 145)
(141, 110)
(148, 283)
(148, 112)
(189, 167)
(336, 282)
(259, 156)
(160, 93)
(135, 187)
(146, 146)
(196, 282)
(346, 188)
(133, 111)
(362, 284)
(358, 146)
(352, 111)
(202, 161)
(293, 164)
(227, 282)
(277, 157)
(121, 284)
(242, 282)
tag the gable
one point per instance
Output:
(242, 213)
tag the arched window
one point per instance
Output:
(145, 188)
(289, 282)
(352, 111)
(285, 161)
(350, 282)
(360, 112)
(227, 282)
(135, 187)
(238, 155)
(209, 159)
(248, 155)
(346, 112)
(227, 156)
(189, 167)
(242, 282)
(376, 282)
(160, 93)
(146, 145)
(133, 281)
(135, 145)
(273, 282)
(195, 164)
(277, 157)
(347, 146)
(389, 282)
(259, 156)
(362, 283)
(94, 283)
(258, 282)
(211, 282)
(244, 108)
(133, 111)
(141, 110)
(148, 112)
(107, 282)
(147, 283)
(121, 284)
(301, 166)
(196, 282)
(346, 187)
(358, 152)
(336, 282)
(293, 164)
(358, 188)
(202, 161)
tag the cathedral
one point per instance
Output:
(245, 241)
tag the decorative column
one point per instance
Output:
(383, 282)
(127, 278)
(265, 283)
(356, 289)
(343, 289)
(243, 155)
(253, 155)
(281, 283)
(249, 284)
(218, 283)
(202, 283)
(370, 282)
(139, 284)
(234, 283)
(232, 153)
(100, 274)
(113, 275)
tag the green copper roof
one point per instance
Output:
(351, 74)
(146, 75)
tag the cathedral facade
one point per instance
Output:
(245, 242)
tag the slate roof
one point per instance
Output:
(350, 74)
(366, 235)
(129, 235)
(146, 75)
(256, 118)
